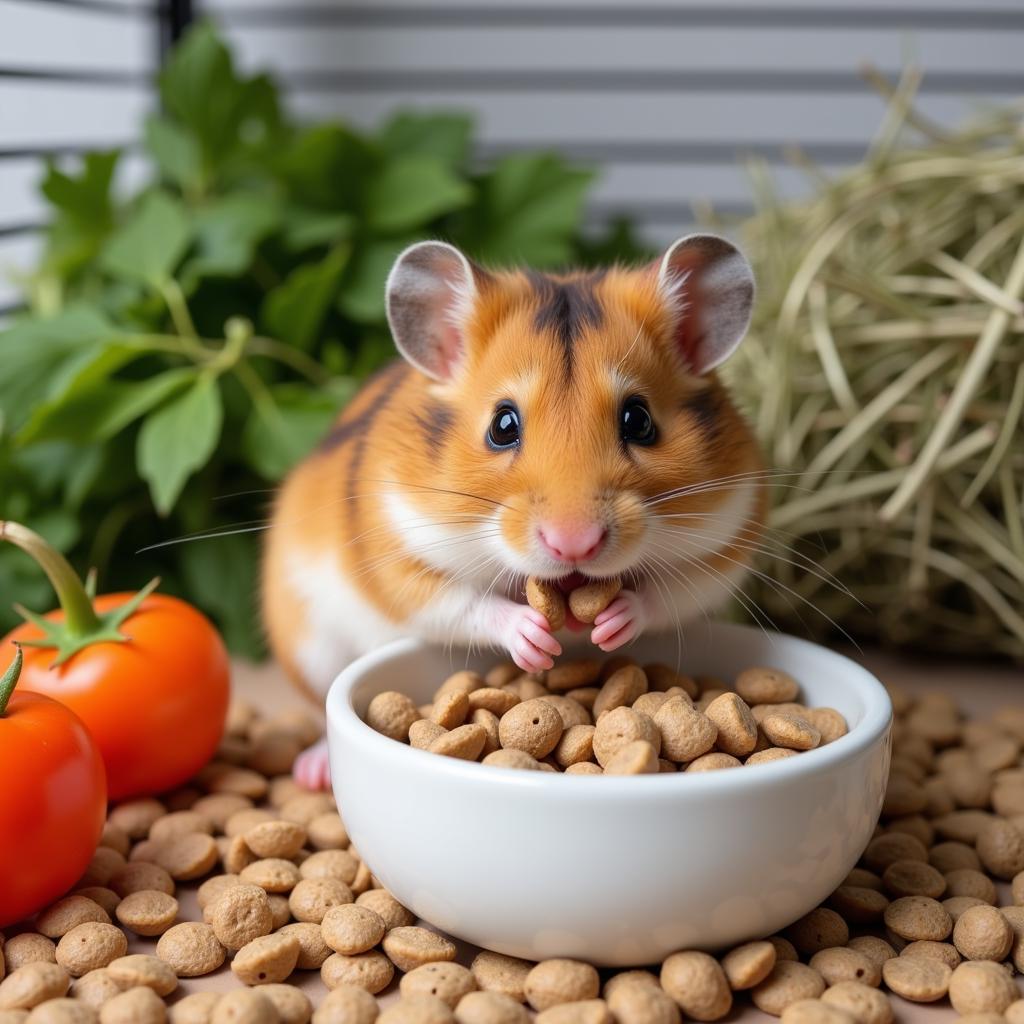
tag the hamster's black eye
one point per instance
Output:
(637, 423)
(504, 429)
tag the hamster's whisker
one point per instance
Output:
(748, 539)
(436, 490)
(778, 587)
(732, 587)
(398, 554)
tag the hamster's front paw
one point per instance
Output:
(528, 639)
(623, 620)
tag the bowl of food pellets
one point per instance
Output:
(706, 789)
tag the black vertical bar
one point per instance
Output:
(174, 16)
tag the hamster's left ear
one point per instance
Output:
(708, 284)
(430, 294)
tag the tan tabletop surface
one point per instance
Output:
(979, 689)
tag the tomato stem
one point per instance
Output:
(79, 616)
(81, 625)
(9, 680)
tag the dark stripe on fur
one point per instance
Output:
(356, 423)
(705, 406)
(435, 422)
(566, 308)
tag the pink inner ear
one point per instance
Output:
(450, 347)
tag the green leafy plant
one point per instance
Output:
(184, 345)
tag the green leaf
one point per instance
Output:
(529, 209)
(328, 165)
(221, 573)
(228, 231)
(178, 439)
(362, 291)
(149, 246)
(99, 412)
(442, 136)
(305, 227)
(275, 439)
(294, 311)
(41, 357)
(86, 196)
(177, 154)
(411, 192)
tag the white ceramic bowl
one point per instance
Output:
(612, 870)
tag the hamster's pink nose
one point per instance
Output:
(572, 542)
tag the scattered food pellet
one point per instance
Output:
(926, 913)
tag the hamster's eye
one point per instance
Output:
(504, 429)
(637, 423)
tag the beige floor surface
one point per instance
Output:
(979, 689)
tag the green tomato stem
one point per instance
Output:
(9, 680)
(80, 618)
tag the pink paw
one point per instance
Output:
(529, 640)
(312, 770)
(620, 622)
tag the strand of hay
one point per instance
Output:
(885, 372)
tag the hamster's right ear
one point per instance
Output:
(430, 294)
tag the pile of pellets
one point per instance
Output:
(934, 912)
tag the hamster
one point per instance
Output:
(560, 426)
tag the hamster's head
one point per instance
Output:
(575, 425)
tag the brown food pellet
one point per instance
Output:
(942, 951)
(95, 988)
(340, 864)
(620, 689)
(244, 1006)
(269, 958)
(1000, 846)
(840, 963)
(512, 759)
(766, 686)
(788, 982)
(817, 930)
(312, 898)
(27, 948)
(495, 1008)
(352, 929)
(450, 710)
(875, 949)
(912, 878)
(392, 713)
(585, 1011)
(640, 1003)
(636, 758)
(391, 911)
(686, 733)
(532, 726)
(978, 986)
(327, 832)
(139, 969)
(33, 984)
(276, 839)
(867, 1005)
(748, 965)
(180, 823)
(147, 912)
(106, 898)
(448, 981)
(545, 597)
(737, 730)
(409, 947)
(347, 1004)
(918, 917)
(274, 874)
(921, 979)
(241, 914)
(293, 1006)
(858, 904)
(135, 817)
(90, 945)
(372, 971)
(191, 949)
(791, 732)
(136, 1006)
(67, 913)
(417, 1009)
(496, 972)
(814, 1011)
(62, 1011)
(982, 933)
(140, 876)
(559, 980)
(769, 754)
(313, 951)
(464, 742)
(620, 727)
(588, 601)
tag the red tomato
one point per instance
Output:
(155, 702)
(52, 804)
